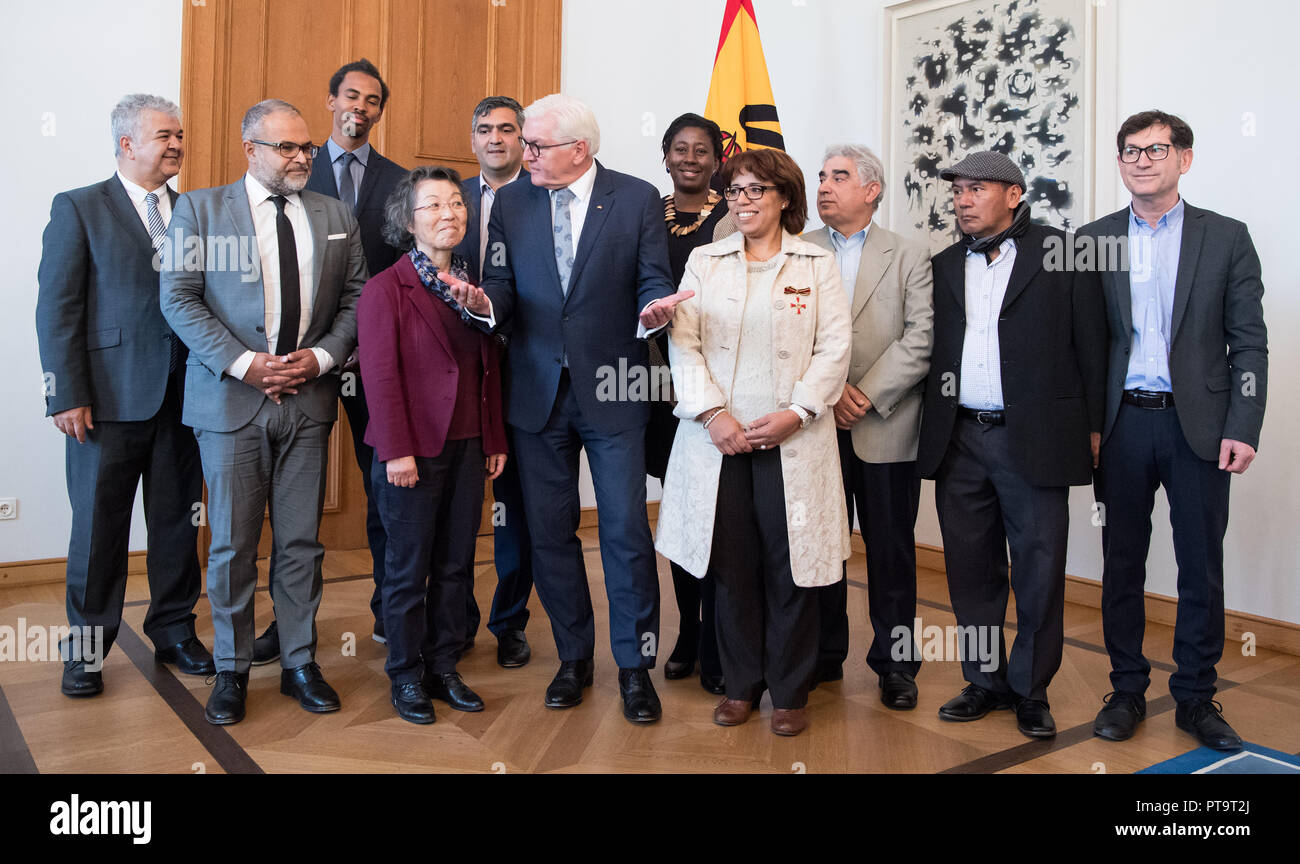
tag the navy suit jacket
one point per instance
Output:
(620, 266)
(98, 321)
(468, 248)
(377, 183)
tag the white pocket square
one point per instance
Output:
(337, 237)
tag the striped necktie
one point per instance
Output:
(156, 231)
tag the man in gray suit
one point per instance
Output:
(890, 286)
(114, 387)
(1184, 405)
(263, 285)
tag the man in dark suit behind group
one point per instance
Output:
(496, 125)
(114, 387)
(583, 277)
(1184, 406)
(1013, 405)
(350, 169)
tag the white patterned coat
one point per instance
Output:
(810, 362)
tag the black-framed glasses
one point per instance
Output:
(753, 191)
(289, 149)
(1155, 152)
(536, 149)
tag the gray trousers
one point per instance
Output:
(276, 461)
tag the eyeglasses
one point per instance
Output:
(1155, 152)
(289, 149)
(535, 150)
(753, 192)
(456, 206)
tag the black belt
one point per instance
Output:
(1152, 400)
(988, 418)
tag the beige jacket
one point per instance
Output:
(810, 357)
(893, 333)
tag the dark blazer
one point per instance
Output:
(1218, 350)
(620, 266)
(1052, 338)
(381, 175)
(98, 322)
(411, 372)
(468, 248)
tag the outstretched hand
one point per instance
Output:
(467, 295)
(660, 312)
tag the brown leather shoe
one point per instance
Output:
(732, 712)
(789, 721)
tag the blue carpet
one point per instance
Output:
(1252, 759)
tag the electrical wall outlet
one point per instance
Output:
(8, 508)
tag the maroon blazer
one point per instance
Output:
(410, 373)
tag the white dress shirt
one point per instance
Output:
(981, 354)
(487, 196)
(268, 248)
(137, 193)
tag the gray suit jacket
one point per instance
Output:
(218, 308)
(102, 336)
(1218, 354)
(893, 332)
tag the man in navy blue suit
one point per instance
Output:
(350, 169)
(495, 127)
(577, 266)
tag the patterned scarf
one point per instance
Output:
(429, 276)
(1019, 225)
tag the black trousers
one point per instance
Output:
(102, 474)
(767, 625)
(354, 403)
(698, 633)
(511, 551)
(887, 497)
(1146, 449)
(983, 504)
(431, 529)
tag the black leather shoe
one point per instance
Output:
(226, 703)
(1204, 719)
(412, 703)
(640, 701)
(78, 681)
(1119, 719)
(716, 684)
(1034, 719)
(513, 650)
(189, 657)
(307, 685)
(898, 691)
(451, 689)
(266, 648)
(675, 670)
(827, 671)
(972, 704)
(565, 689)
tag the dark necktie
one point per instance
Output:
(347, 189)
(157, 230)
(290, 305)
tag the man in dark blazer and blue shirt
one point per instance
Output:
(350, 169)
(1184, 405)
(583, 280)
(1012, 419)
(115, 377)
(495, 127)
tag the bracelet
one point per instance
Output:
(713, 416)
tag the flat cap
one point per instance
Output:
(986, 165)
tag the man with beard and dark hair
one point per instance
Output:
(1012, 420)
(259, 391)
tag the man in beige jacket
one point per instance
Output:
(889, 283)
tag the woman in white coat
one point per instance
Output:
(753, 494)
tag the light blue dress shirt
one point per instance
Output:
(1153, 270)
(358, 167)
(848, 255)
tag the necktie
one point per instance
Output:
(347, 189)
(290, 304)
(156, 231)
(563, 224)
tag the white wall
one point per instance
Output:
(642, 63)
(68, 62)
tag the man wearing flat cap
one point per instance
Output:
(1012, 419)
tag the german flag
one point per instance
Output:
(740, 94)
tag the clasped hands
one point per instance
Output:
(765, 433)
(276, 374)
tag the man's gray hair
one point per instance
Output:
(127, 119)
(573, 120)
(870, 168)
(251, 127)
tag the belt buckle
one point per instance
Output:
(984, 417)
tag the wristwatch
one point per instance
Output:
(804, 417)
